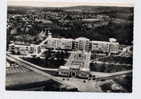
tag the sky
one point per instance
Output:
(63, 3)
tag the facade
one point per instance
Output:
(100, 46)
(114, 48)
(105, 47)
(58, 43)
(82, 44)
(19, 49)
(35, 50)
(53, 43)
(64, 71)
(79, 44)
(66, 44)
(77, 65)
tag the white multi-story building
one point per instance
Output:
(66, 43)
(114, 48)
(100, 46)
(58, 43)
(82, 44)
(53, 43)
(106, 47)
(79, 44)
(77, 64)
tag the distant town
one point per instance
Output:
(82, 48)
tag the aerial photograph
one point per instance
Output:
(81, 48)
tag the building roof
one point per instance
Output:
(112, 40)
(66, 39)
(64, 67)
(91, 20)
(74, 66)
(81, 38)
(84, 69)
(104, 42)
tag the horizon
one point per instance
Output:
(63, 4)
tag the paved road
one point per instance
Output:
(88, 86)
(73, 82)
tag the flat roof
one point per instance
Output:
(74, 66)
(84, 69)
(91, 20)
(64, 67)
(81, 38)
